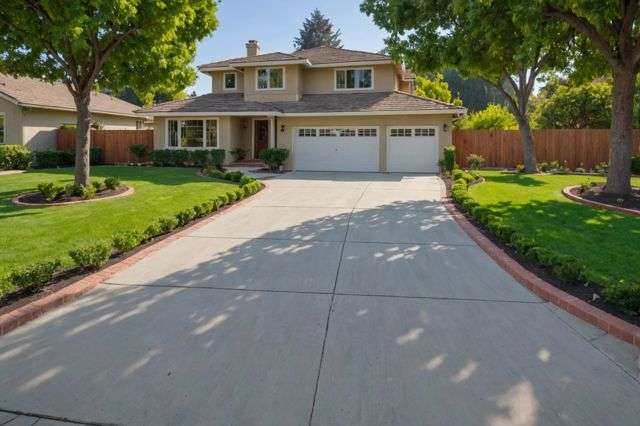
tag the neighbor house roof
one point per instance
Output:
(29, 92)
(316, 56)
(358, 103)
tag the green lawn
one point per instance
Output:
(607, 243)
(32, 234)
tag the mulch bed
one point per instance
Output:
(584, 292)
(596, 194)
(38, 198)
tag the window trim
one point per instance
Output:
(4, 128)
(345, 89)
(204, 132)
(235, 80)
(284, 79)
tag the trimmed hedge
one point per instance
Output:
(184, 157)
(274, 157)
(55, 159)
(564, 267)
(14, 157)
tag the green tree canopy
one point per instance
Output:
(434, 88)
(492, 117)
(575, 107)
(317, 31)
(147, 45)
(475, 93)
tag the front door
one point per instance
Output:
(260, 136)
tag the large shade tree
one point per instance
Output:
(147, 45)
(613, 30)
(487, 39)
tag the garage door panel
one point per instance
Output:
(412, 149)
(353, 152)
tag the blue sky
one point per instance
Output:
(275, 23)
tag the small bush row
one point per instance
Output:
(95, 256)
(184, 157)
(14, 157)
(51, 192)
(54, 159)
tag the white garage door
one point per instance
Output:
(412, 149)
(336, 149)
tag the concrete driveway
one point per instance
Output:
(329, 299)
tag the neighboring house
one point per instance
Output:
(334, 109)
(32, 110)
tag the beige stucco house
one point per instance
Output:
(333, 109)
(31, 111)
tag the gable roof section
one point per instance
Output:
(321, 104)
(333, 55)
(29, 92)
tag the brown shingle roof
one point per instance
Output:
(335, 55)
(374, 102)
(267, 57)
(37, 93)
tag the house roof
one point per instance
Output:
(362, 103)
(30, 92)
(323, 55)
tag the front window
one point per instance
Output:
(354, 79)
(2, 128)
(192, 133)
(270, 78)
(229, 81)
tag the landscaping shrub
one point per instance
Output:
(217, 158)
(14, 157)
(231, 196)
(239, 154)
(52, 159)
(112, 182)
(35, 275)
(635, 164)
(126, 241)
(152, 231)
(239, 193)
(50, 191)
(223, 200)
(167, 224)
(568, 269)
(233, 176)
(185, 216)
(87, 192)
(246, 179)
(475, 161)
(98, 185)
(216, 174)
(170, 157)
(95, 156)
(274, 157)
(91, 256)
(449, 160)
(247, 189)
(624, 294)
(139, 150)
(198, 211)
(199, 158)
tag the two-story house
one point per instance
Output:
(333, 109)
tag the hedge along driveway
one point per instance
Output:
(33, 234)
(607, 243)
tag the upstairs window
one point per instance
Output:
(354, 79)
(270, 78)
(229, 80)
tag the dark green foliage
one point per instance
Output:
(198, 211)
(50, 191)
(217, 158)
(238, 154)
(624, 294)
(126, 241)
(91, 256)
(568, 269)
(316, 31)
(449, 159)
(274, 157)
(185, 216)
(34, 275)
(246, 179)
(167, 224)
(87, 192)
(112, 182)
(216, 174)
(475, 93)
(14, 157)
(199, 158)
(182, 157)
(635, 164)
(233, 176)
(98, 185)
(95, 156)
(152, 230)
(139, 150)
(52, 159)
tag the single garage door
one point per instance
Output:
(412, 149)
(336, 149)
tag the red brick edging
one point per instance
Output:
(14, 319)
(597, 317)
(567, 193)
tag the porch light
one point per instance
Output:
(445, 127)
(282, 128)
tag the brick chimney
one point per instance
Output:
(252, 48)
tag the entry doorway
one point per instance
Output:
(260, 136)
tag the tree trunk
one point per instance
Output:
(621, 138)
(528, 151)
(83, 129)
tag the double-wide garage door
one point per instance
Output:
(357, 149)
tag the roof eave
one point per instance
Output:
(350, 63)
(61, 108)
(302, 114)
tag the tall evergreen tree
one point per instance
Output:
(317, 31)
(476, 94)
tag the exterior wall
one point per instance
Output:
(12, 122)
(322, 80)
(285, 138)
(217, 82)
(39, 126)
(292, 91)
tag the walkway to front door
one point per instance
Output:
(260, 136)
(328, 299)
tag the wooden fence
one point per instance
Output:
(114, 143)
(503, 148)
